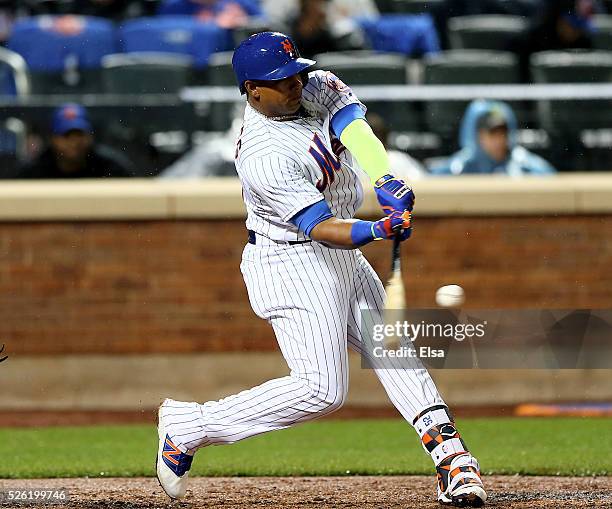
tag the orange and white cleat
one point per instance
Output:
(459, 482)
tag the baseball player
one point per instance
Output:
(304, 272)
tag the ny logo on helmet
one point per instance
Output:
(288, 47)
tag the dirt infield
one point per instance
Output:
(320, 492)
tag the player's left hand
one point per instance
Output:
(396, 223)
(393, 194)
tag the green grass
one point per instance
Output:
(559, 446)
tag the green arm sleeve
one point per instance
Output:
(366, 148)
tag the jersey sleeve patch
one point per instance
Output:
(335, 83)
(330, 92)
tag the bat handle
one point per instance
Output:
(395, 253)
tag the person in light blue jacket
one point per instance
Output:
(487, 138)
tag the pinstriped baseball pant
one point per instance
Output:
(313, 297)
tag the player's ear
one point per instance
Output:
(251, 89)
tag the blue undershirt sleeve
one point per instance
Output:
(345, 116)
(306, 219)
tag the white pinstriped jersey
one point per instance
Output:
(287, 165)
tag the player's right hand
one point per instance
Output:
(393, 194)
(387, 227)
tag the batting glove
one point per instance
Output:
(396, 223)
(393, 194)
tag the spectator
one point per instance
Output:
(310, 29)
(559, 25)
(72, 152)
(488, 145)
(8, 12)
(337, 18)
(402, 165)
(338, 11)
(225, 13)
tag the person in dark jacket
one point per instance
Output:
(311, 30)
(72, 151)
(488, 145)
(558, 25)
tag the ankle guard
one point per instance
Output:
(439, 436)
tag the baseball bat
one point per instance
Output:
(396, 295)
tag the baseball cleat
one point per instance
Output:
(171, 464)
(459, 482)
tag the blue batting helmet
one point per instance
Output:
(269, 56)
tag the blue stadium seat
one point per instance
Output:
(175, 34)
(14, 78)
(63, 53)
(396, 33)
(7, 83)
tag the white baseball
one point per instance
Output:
(450, 296)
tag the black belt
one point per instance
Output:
(253, 240)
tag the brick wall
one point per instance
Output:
(164, 286)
